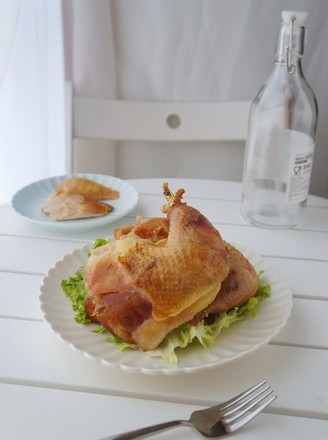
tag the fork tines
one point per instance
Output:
(241, 409)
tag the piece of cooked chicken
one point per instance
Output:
(240, 284)
(65, 206)
(88, 188)
(154, 229)
(141, 289)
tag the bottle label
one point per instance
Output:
(300, 167)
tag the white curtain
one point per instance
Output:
(8, 23)
(32, 120)
(9, 13)
(184, 50)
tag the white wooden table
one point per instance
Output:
(48, 391)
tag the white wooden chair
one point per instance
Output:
(103, 133)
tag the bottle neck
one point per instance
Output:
(290, 47)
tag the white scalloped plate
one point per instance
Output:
(28, 200)
(239, 340)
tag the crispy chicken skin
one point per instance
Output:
(154, 229)
(157, 274)
(87, 188)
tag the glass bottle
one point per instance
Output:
(281, 136)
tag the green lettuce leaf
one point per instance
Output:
(120, 344)
(99, 242)
(74, 289)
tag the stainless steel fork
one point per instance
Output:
(218, 420)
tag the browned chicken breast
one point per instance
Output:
(88, 188)
(65, 206)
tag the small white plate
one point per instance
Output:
(28, 200)
(234, 343)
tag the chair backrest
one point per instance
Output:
(120, 120)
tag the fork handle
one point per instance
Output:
(144, 432)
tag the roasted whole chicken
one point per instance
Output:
(162, 272)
